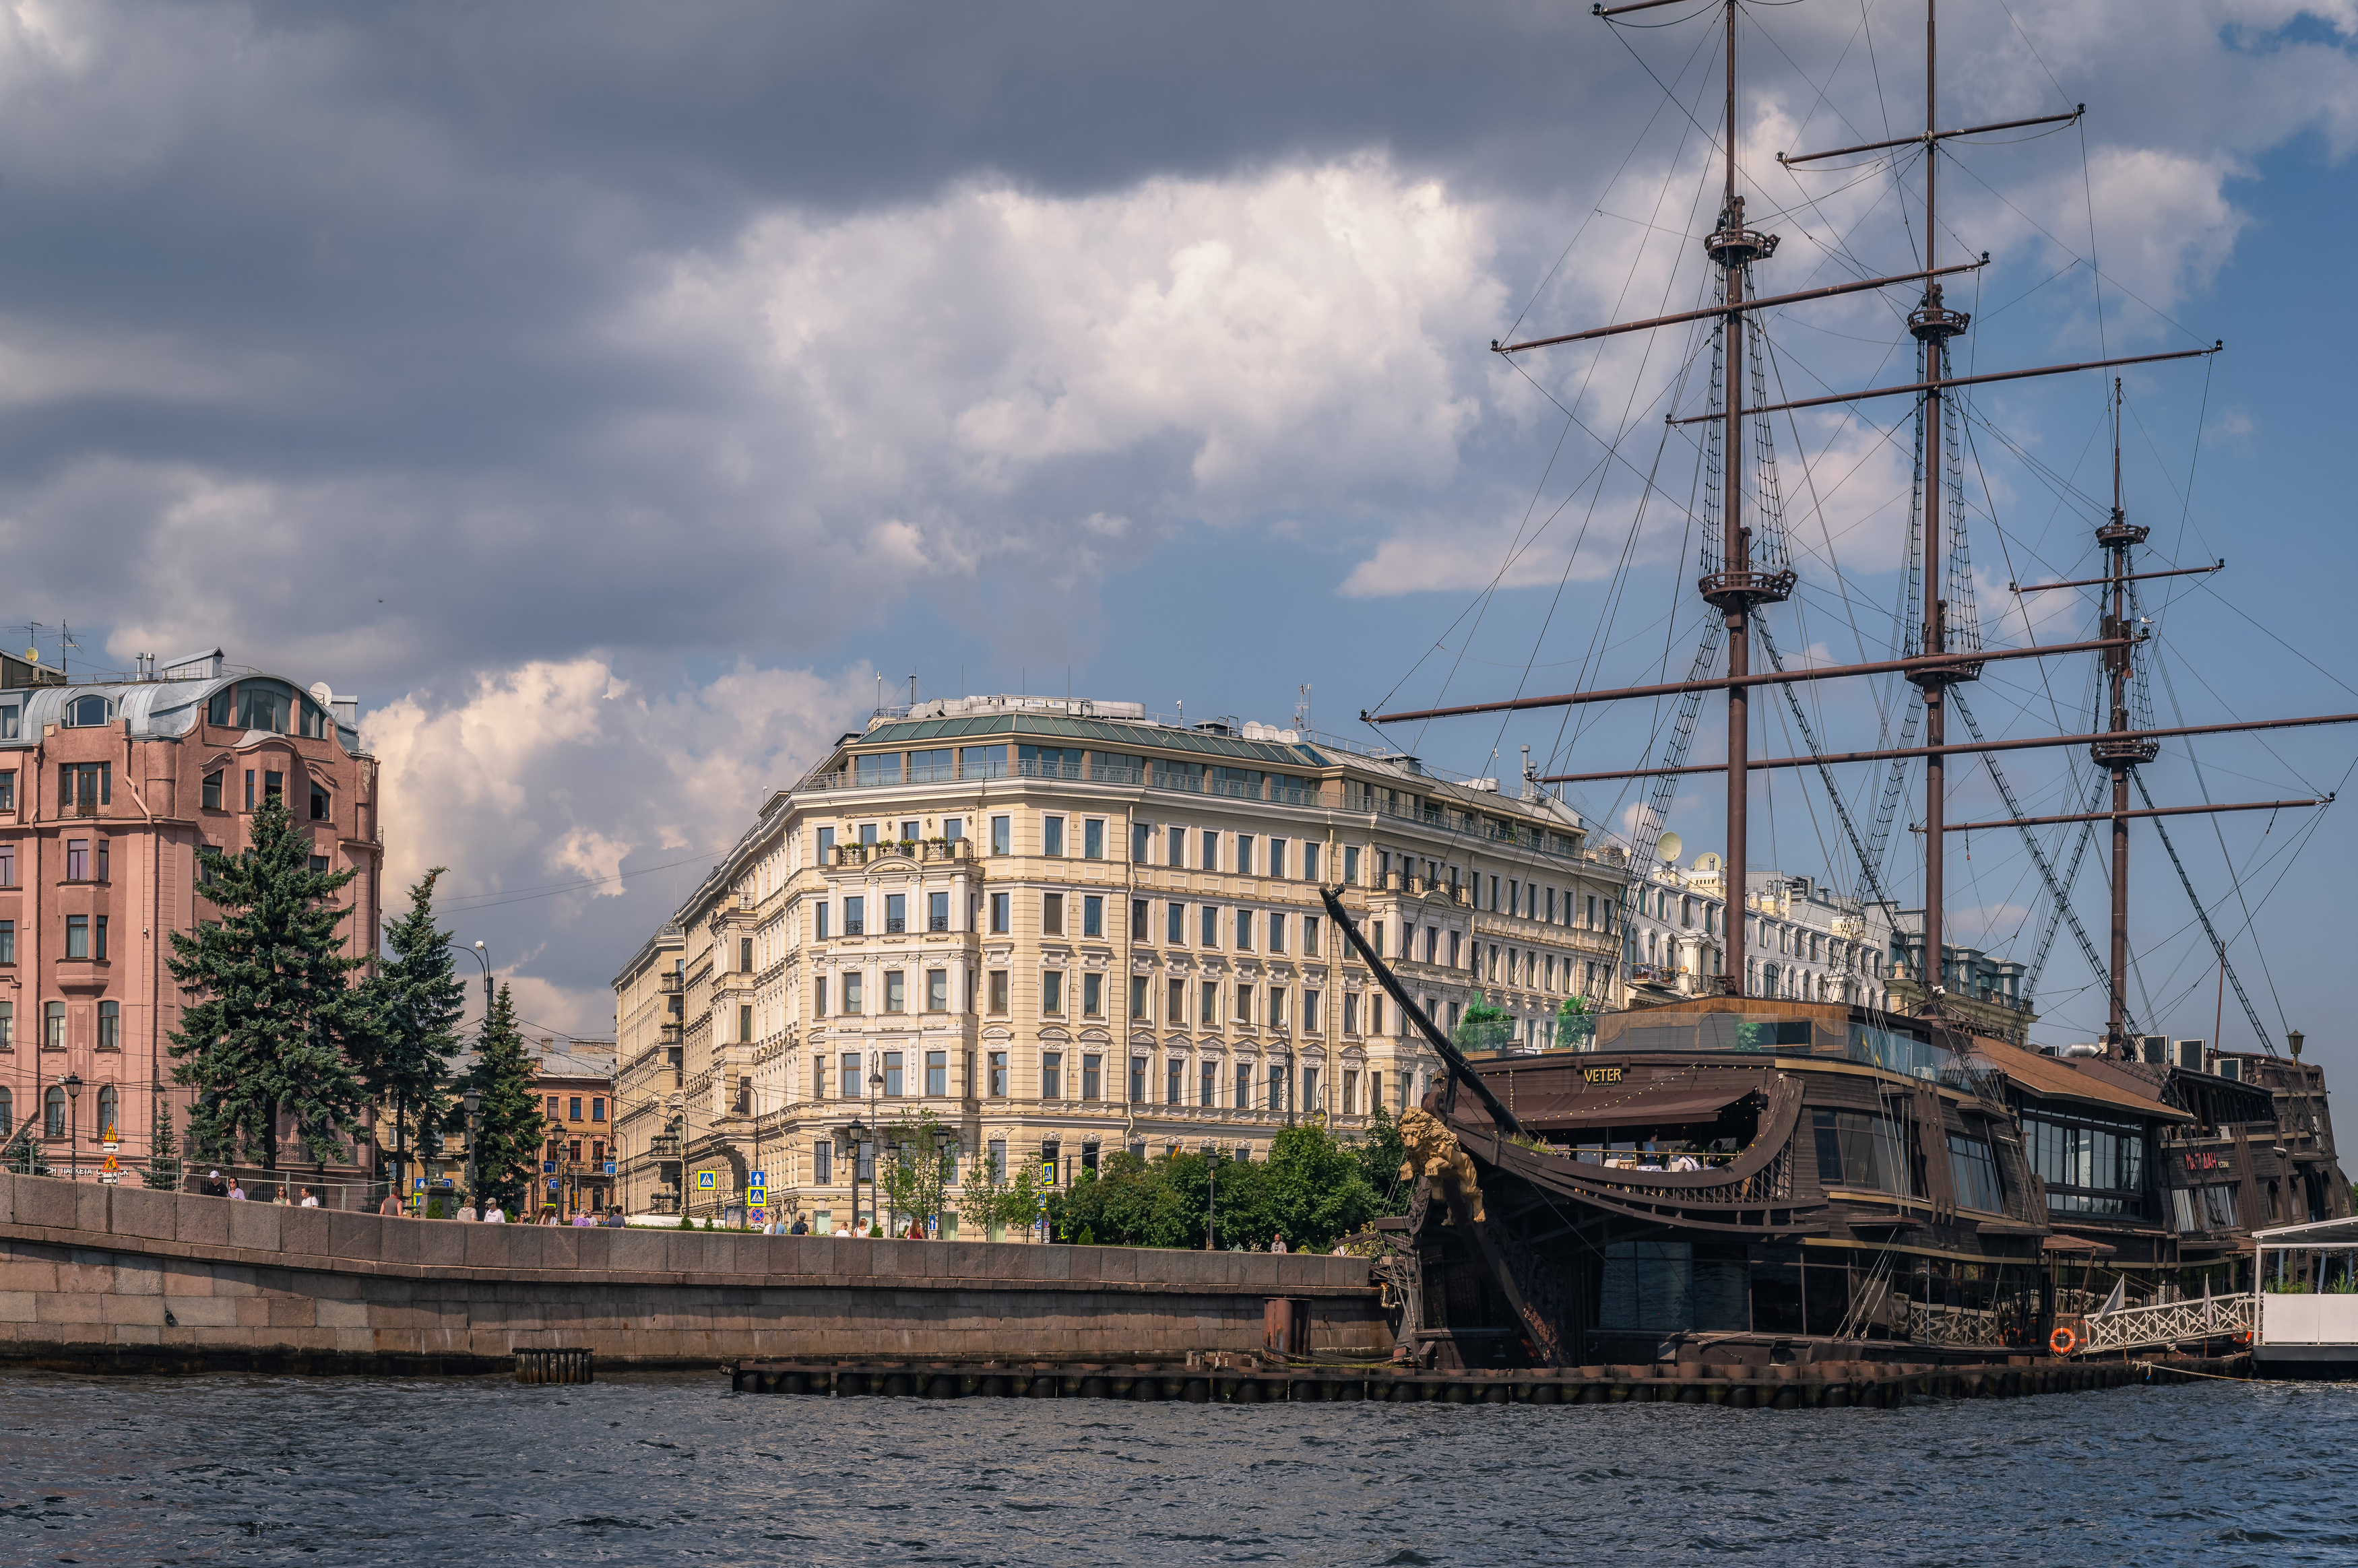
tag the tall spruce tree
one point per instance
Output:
(509, 1125)
(418, 998)
(277, 1022)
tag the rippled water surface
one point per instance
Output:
(643, 1470)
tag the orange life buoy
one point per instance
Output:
(2063, 1342)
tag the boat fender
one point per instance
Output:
(2063, 1342)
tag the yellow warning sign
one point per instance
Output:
(110, 1165)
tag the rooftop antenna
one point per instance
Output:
(913, 688)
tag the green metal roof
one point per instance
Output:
(1129, 737)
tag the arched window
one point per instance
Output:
(7, 1112)
(109, 1105)
(86, 713)
(110, 1027)
(53, 1112)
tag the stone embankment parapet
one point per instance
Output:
(119, 1276)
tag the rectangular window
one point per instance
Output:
(999, 915)
(1244, 1087)
(1138, 1080)
(855, 916)
(852, 998)
(8, 941)
(322, 809)
(1864, 1150)
(212, 796)
(937, 990)
(1002, 836)
(1092, 915)
(937, 912)
(893, 1084)
(1093, 838)
(1174, 1004)
(1244, 930)
(896, 992)
(552, 1109)
(938, 1074)
(999, 990)
(7, 1038)
(573, 1108)
(1244, 854)
(1092, 996)
(821, 918)
(1142, 922)
(274, 784)
(1052, 914)
(77, 859)
(1276, 1007)
(1092, 1076)
(896, 913)
(1310, 1001)
(1974, 1172)
(1051, 836)
(1210, 926)
(850, 1084)
(1350, 1091)
(744, 955)
(1276, 932)
(1277, 857)
(1244, 1004)
(1310, 860)
(1177, 847)
(745, 1023)
(1174, 1082)
(1309, 1088)
(249, 789)
(822, 1165)
(77, 936)
(1310, 936)
(1211, 861)
(868, 833)
(982, 761)
(1350, 1013)
(1137, 997)
(1141, 839)
(1351, 864)
(597, 1109)
(1052, 1075)
(1176, 923)
(1207, 1087)
(998, 1067)
(953, 829)
(1052, 990)
(1210, 1015)
(53, 1028)
(826, 845)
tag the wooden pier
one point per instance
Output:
(1828, 1385)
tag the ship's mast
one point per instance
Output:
(1934, 325)
(2116, 752)
(1735, 589)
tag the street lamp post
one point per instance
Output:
(876, 1119)
(473, 1101)
(72, 1082)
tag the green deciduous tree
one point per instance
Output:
(417, 998)
(1381, 1155)
(918, 1166)
(1483, 1026)
(1311, 1190)
(992, 1200)
(1576, 1026)
(508, 1121)
(276, 1025)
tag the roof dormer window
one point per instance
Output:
(86, 713)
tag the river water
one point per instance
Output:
(647, 1470)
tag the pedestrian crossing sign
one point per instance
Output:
(705, 1181)
(757, 1198)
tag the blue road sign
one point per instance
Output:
(758, 1179)
(705, 1181)
(552, 1183)
(548, 1167)
(420, 1185)
(610, 1167)
(757, 1198)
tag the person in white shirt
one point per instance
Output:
(236, 1192)
(495, 1214)
(311, 1198)
(466, 1211)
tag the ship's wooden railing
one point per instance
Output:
(2170, 1323)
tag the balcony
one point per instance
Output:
(671, 983)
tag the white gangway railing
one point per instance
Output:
(2169, 1323)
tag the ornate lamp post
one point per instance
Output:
(72, 1082)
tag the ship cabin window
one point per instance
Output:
(1712, 1031)
(2089, 1165)
(1867, 1152)
(1974, 1173)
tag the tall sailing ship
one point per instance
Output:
(1786, 1179)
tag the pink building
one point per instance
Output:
(107, 788)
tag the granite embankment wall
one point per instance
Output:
(120, 1277)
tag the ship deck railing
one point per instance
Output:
(2186, 1322)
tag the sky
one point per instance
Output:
(619, 398)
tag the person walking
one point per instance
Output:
(801, 1227)
(392, 1204)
